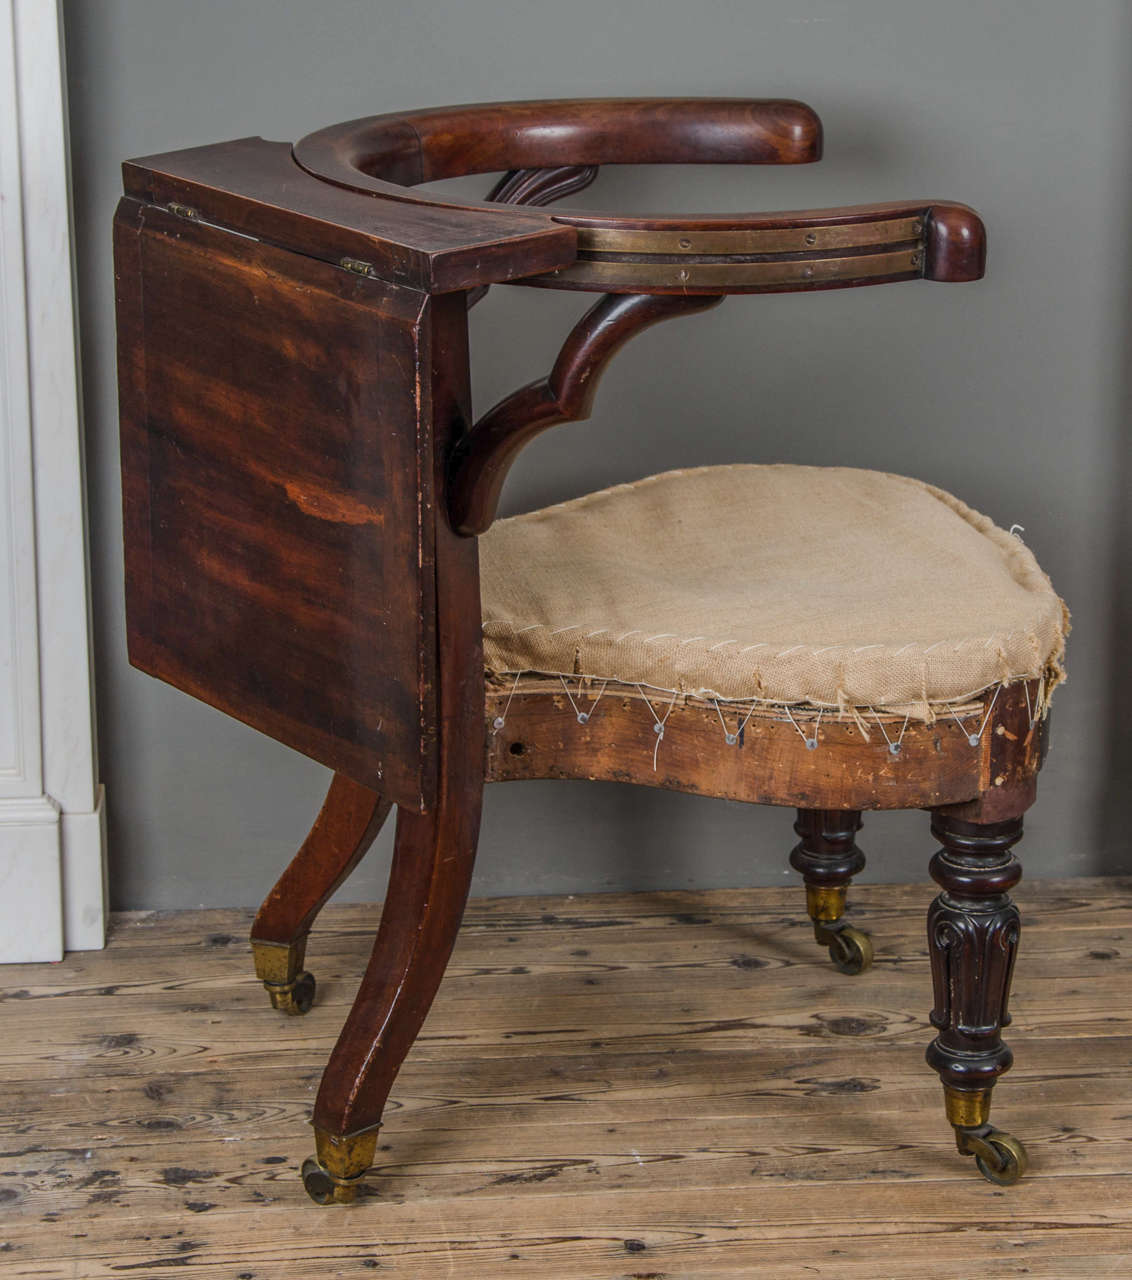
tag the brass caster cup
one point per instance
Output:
(292, 997)
(332, 1174)
(999, 1156)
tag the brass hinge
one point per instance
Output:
(358, 267)
(183, 211)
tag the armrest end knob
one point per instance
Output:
(955, 244)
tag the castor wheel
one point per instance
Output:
(851, 950)
(1000, 1157)
(323, 1188)
(293, 997)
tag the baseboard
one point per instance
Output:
(84, 877)
(31, 916)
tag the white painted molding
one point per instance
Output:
(20, 754)
(52, 829)
(31, 924)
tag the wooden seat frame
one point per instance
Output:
(303, 482)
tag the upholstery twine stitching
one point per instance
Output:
(958, 703)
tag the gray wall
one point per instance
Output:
(1010, 392)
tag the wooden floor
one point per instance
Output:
(656, 1086)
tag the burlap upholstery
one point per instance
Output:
(825, 586)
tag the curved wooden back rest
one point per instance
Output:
(448, 142)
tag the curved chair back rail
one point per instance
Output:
(407, 149)
(567, 140)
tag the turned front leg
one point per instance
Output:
(973, 931)
(828, 859)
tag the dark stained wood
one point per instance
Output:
(973, 934)
(428, 885)
(383, 155)
(536, 187)
(434, 852)
(446, 142)
(484, 456)
(348, 823)
(1018, 743)
(542, 186)
(324, 205)
(828, 858)
(769, 763)
(277, 565)
(256, 188)
(956, 244)
(827, 852)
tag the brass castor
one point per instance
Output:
(999, 1156)
(323, 1188)
(850, 950)
(292, 997)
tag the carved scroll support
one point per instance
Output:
(536, 187)
(484, 456)
(542, 186)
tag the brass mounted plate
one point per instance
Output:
(745, 240)
(630, 274)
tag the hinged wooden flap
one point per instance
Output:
(277, 480)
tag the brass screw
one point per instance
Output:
(811, 238)
(685, 244)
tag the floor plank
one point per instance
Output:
(619, 1086)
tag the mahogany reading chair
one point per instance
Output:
(309, 505)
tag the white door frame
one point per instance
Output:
(52, 827)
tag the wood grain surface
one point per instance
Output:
(670, 1085)
(277, 457)
(769, 761)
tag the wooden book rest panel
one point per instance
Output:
(276, 486)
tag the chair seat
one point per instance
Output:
(819, 586)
